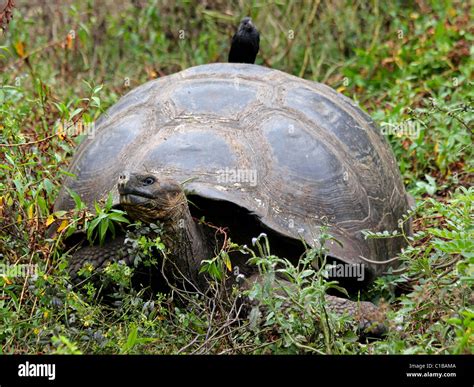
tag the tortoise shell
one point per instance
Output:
(295, 153)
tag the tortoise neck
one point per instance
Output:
(186, 243)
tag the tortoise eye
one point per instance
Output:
(148, 181)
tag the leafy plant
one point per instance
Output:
(104, 221)
(408, 65)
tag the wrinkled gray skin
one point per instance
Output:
(317, 160)
(151, 199)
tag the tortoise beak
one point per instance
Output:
(130, 191)
(122, 181)
(124, 189)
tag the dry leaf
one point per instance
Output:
(63, 225)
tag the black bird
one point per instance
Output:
(245, 43)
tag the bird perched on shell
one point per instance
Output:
(245, 43)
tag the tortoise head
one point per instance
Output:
(148, 197)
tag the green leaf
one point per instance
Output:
(42, 205)
(131, 339)
(4, 166)
(90, 229)
(116, 215)
(79, 204)
(67, 173)
(109, 203)
(97, 89)
(48, 186)
(306, 273)
(104, 225)
(204, 268)
(75, 113)
(226, 260)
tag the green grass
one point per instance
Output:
(409, 65)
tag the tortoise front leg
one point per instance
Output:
(98, 257)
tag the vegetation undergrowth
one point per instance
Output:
(409, 66)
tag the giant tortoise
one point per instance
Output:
(250, 148)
